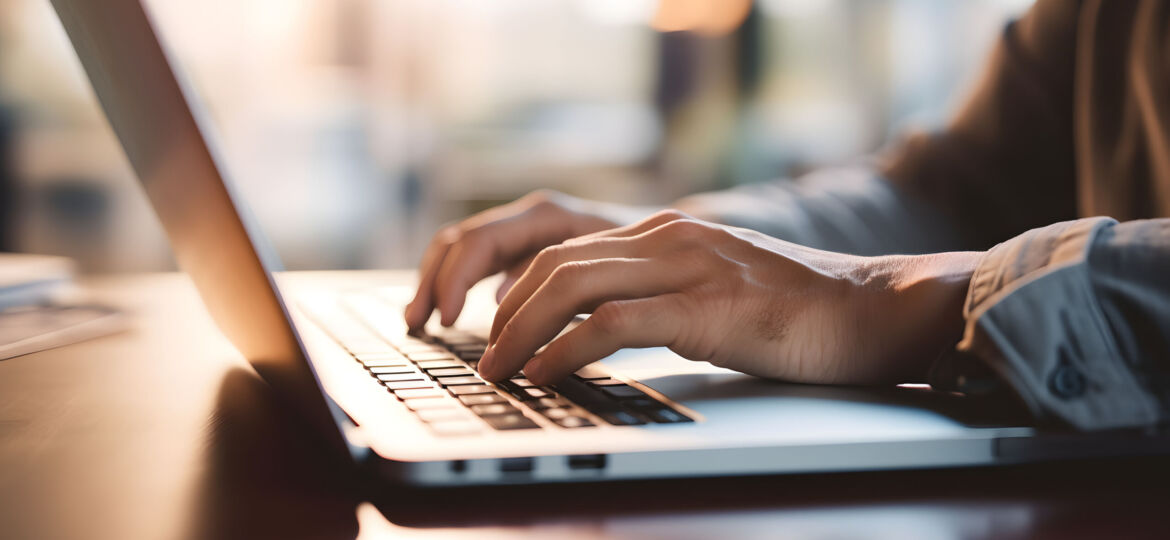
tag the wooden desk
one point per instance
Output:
(165, 432)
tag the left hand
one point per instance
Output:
(732, 297)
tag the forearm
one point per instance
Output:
(843, 210)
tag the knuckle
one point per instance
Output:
(543, 201)
(548, 257)
(566, 275)
(449, 234)
(684, 229)
(539, 196)
(611, 317)
(670, 214)
(473, 236)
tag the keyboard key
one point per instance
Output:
(469, 348)
(522, 382)
(450, 372)
(471, 389)
(622, 418)
(420, 394)
(470, 356)
(548, 403)
(556, 414)
(455, 427)
(459, 338)
(405, 340)
(482, 399)
(588, 397)
(622, 392)
(386, 362)
(435, 400)
(573, 422)
(421, 348)
(510, 388)
(358, 347)
(537, 393)
(493, 408)
(368, 357)
(456, 381)
(435, 364)
(430, 356)
(667, 416)
(440, 415)
(592, 372)
(392, 377)
(642, 403)
(608, 382)
(510, 421)
(388, 370)
(408, 385)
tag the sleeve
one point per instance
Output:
(847, 210)
(1075, 319)
(1005, 163)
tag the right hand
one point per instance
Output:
(504, 238)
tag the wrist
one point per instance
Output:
(925, 308)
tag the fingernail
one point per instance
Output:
(485, 362)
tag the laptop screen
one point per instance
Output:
(159, 126)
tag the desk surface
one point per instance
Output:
(165, 432)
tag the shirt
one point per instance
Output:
(1058, 165)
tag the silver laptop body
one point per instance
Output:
(294, 329)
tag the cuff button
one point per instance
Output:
(1067, 382)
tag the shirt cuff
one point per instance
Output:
(1034, 323)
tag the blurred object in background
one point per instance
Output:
(356, 127)
(41, 309)
(8, 202)
(32, 279)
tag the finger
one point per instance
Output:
(546, 262)
(653, 222)
(419, 309)
(638, 323)
(511, 276)
(572, 289)
(489, 248)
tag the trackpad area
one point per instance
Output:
(737, 405)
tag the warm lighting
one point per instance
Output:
(705, 17)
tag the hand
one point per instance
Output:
(503, 238)
(732, 297)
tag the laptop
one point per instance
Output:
(412, 410)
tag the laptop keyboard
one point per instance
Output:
(435, 378)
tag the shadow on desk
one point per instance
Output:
(264, 477)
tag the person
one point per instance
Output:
(978, 258)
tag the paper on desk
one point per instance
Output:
(32, 279)
(35, 312)
(30, 329)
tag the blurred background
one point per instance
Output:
(355, 128)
